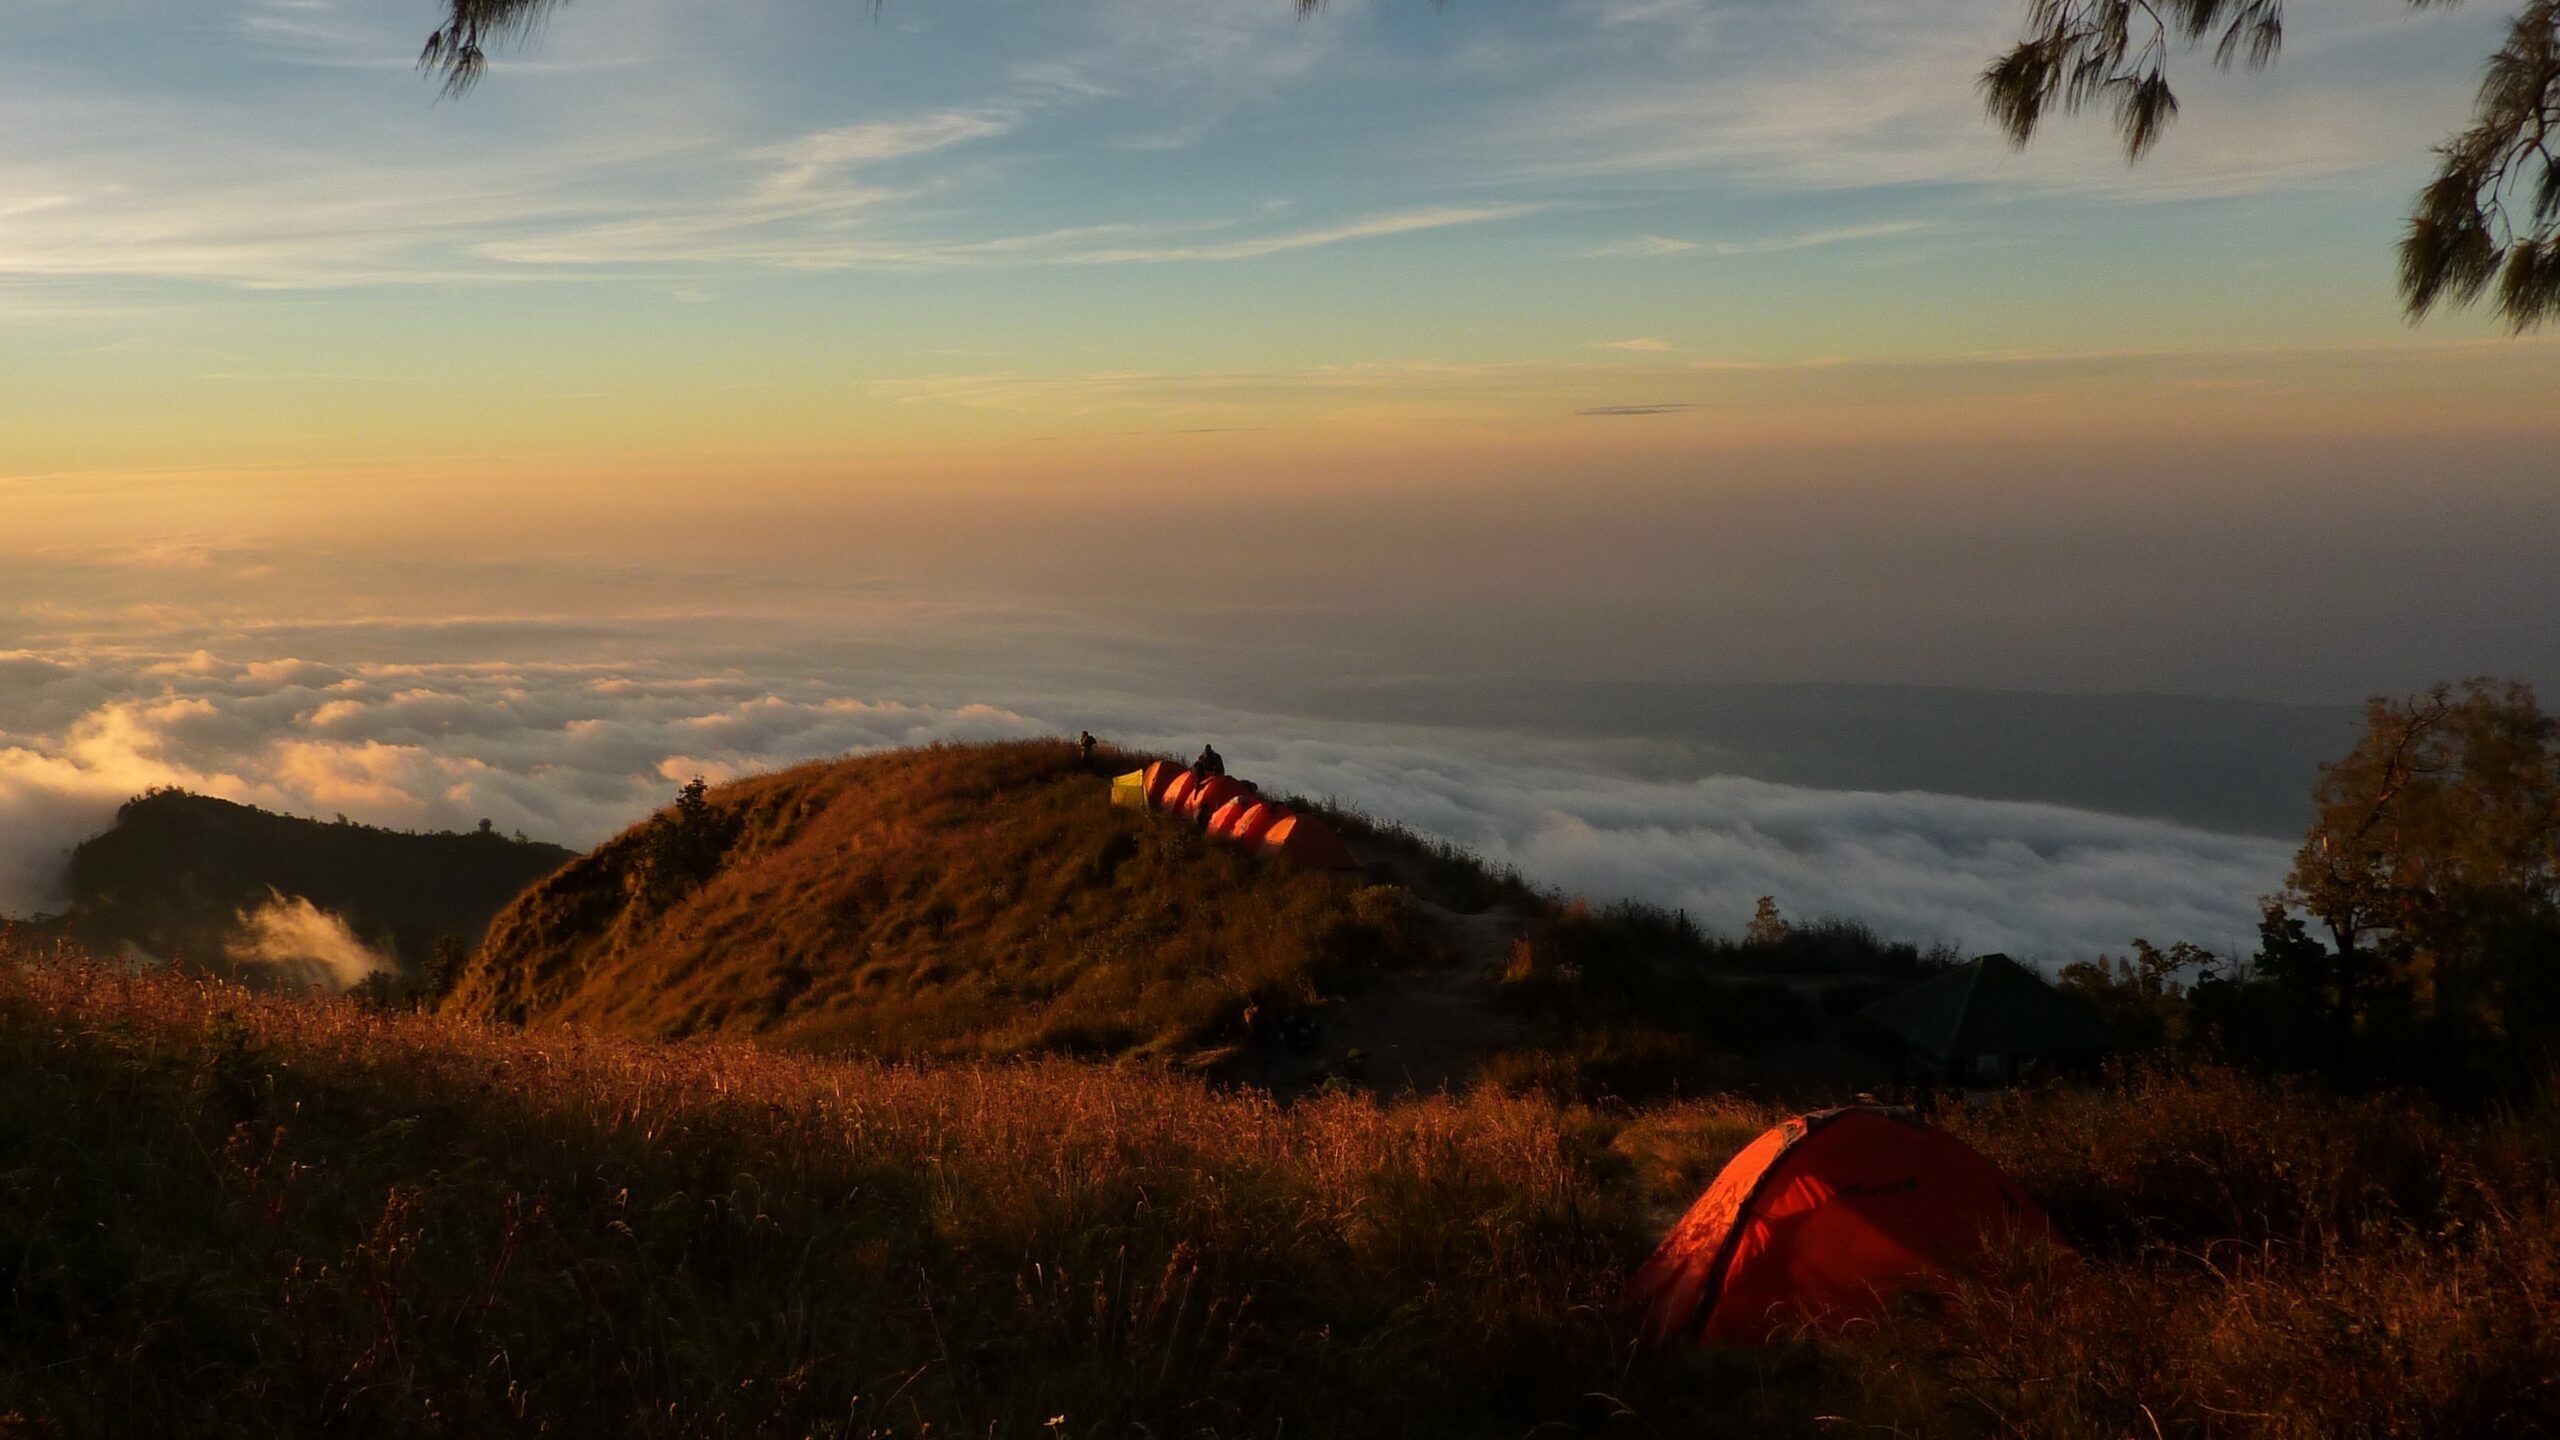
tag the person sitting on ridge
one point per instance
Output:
(1210, 762)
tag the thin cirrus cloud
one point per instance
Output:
(803, 162)
(1366, 227)
(559, 168)
(650, 137)
(1867, 94)
(1103, 390)
(332, 35)
(1643, 247)
(149, 187)
(1658, 247)
(1825, 391)
(776, 235)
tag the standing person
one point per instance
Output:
(1210, 761)
(1085, 742)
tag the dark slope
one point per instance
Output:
(177, 870)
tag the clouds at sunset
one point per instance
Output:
(716, 386)
(575, 752)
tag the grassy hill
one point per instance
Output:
(987, 900)
(229, 1213)
(949, 901)
(177, 872)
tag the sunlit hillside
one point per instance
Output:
(989, 900)
(954, 900)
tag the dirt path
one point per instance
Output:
(1431, 1030)
(1421, 1031)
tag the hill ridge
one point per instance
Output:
(178, 873)
(936, 901)
(989, 901)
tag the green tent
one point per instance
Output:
(1130, 790)
(1986, 1017)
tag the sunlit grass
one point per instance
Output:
(945, 901)
(231, 1213)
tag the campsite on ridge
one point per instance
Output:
(1279, 720)
(950, 1075)
(987, 901)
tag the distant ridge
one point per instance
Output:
(176, 872)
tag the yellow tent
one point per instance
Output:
(1130, 790)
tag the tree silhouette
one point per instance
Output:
(1767, 926)
(2434, 866)
(685, 846)
(2492, 213)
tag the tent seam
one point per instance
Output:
(1712, 1294)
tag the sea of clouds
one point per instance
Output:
(572, 750)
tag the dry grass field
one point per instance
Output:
(223, 1213)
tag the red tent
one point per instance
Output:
(1206, 796)
(1310, 842)
(1256, 822)
(1823, 1218)
(1160, 777)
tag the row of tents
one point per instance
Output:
(1234, 811)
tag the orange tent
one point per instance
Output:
(1256, 822)
(1160, 776)
(1205, 797)
(1177, 790)
(1310, 842)
(1222, 825)
(1822, 1218)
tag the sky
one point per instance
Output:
(991, 367)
